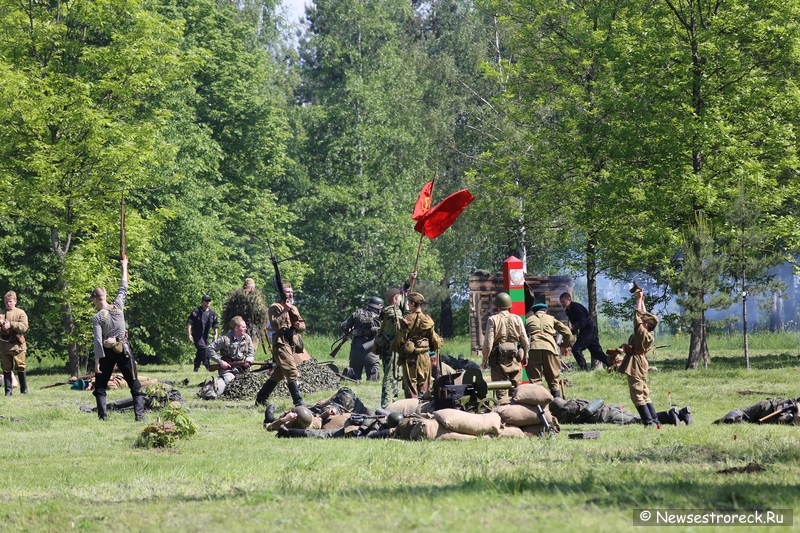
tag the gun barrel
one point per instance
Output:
(498, 385)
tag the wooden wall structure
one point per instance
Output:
(484, 286)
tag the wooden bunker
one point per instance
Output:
(484, 286)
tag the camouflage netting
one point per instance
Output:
(313, 378)
(251, 306)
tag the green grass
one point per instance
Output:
(64, 470)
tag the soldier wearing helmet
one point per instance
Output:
(363, 325)
(505, 335)
(414, 339)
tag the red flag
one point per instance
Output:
(423, 201)
(437, 219)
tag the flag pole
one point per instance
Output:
(421, 235)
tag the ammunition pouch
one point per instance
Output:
(505, 352)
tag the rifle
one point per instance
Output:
(90, 375)
(234, 364)
(783, 407)
(122, 249)
(277, 280)
(341, 341)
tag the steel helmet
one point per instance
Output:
(304, 416)
(502, 300)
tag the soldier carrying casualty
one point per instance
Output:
(543, 360)
(415, 337)
(363, 326)
(505, 347)
(234, 353)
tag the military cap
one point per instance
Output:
(249, 283)
(206, 298)
(235, 321)
(539, 307)
(416, 297)
(391, 293)
(649, 318)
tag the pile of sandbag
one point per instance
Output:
(448, 424)
(520, 417)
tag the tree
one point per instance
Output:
(77, 127)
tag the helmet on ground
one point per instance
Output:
(375, 304)
(304, 416)
(502, 300)
(393, 419)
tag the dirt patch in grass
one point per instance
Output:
(750, 468)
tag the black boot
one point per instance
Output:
(266, 390)
(23, 382)
(668, 417)
(138, 407)
(556, 393)
(7, 383)
(644, 414)
(685, 415)
(286, 433)
(294, 390)
(102, 410)
(269, 414)
(653, 416)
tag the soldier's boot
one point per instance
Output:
(269, 414)
(668, 417)
(644, 414)
(263, 394)
(7, 383)
(381, 434)
(685, 415)
(102, 409)
(653, 416)
(138, 407)
(294, 390)
(556, 393)
(23, 382)
(286, 433)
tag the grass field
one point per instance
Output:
(64, 470)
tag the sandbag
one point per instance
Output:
(512, 432)
(405, 407)
(532, 430)
(454, 435)
(469, 423)
(431, 429)
(336, 421)
(532, 394)
(520, 415)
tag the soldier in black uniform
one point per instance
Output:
(364, 324)
(586, 331)
(201, 321)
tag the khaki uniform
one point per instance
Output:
(504, 328)
(543, 360)
(284, 339)
(634, 364)
(412, 344)
(231, 350)
(12, 350)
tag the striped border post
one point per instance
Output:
(514, 282)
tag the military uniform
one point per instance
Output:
(286, 336)
(365, 325)
(574, 412)
(634, 364)
(412, 344)
(543, 360)
(587, 336)
(504, 329)
(13, 348)
(202, 322)
(110, 349)
(390, 316)
(231, 350)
